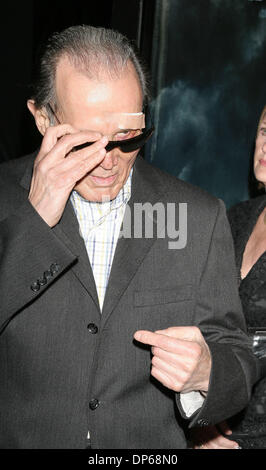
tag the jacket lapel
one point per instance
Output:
(68, 231)
(130, 252)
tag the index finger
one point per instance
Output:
(167, 343)
(54, 133)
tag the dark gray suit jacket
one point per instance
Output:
(61, 379)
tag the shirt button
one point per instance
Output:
(93, 329)
(94, 404)
(35, 286)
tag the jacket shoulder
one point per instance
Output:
(173, 187)
(13, 170)
(12, 193)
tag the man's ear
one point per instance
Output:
(40, 115)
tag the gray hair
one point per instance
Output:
(90, 49)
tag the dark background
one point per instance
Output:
(23, 30)
(207, 61)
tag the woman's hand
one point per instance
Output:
(211, 437)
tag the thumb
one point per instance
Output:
(187, 333)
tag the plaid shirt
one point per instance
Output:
(100, 224)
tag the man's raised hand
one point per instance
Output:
(54, 175)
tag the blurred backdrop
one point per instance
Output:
(207, 61)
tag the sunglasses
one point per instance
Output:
(126, 145)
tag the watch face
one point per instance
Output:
(259, 342)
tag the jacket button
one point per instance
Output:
(203, 422)
(54, 268)
(35, 286)
(93, 329)
(94, 404)
(42, 281)
(48, 275)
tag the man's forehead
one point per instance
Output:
(120, 120)
(75, 87)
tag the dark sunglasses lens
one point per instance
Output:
(130, 145)
(126, 146)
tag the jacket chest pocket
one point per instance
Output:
(163, 308)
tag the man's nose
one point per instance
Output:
(110, 160)
(264, 146)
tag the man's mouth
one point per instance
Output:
(103, 180)
(262, 162)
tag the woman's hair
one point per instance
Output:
(93, 51)
(260, 186)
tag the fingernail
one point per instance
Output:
(238, 447)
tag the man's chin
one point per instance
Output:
(97, 194)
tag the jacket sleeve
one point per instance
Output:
(218, 314)
(31, 257)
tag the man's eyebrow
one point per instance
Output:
(120, 129)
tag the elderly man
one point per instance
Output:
(105, 339)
